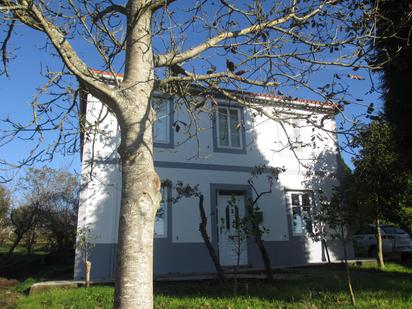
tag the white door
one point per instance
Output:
(230, 208)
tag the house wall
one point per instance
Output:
(182, 249)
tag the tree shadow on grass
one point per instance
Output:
(41, 266)
(323, 283)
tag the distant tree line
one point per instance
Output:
(45, 216)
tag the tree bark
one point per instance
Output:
(14, 245)
(259, 242)
(348, 276)
(140, 201)
(30, 243)
(379, 250)
(88, 268)
(238, 253)
(140, 182)
(326, 249)
(206, 239)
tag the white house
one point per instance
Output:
(216, 150)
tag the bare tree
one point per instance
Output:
(189, 191)
(253, 226)
(23, 220)
(4, 214)
(337, 217)
(85, 243)
(214, 45)
(238, 238)
(333, 216)
(49, 208)
(58, 214)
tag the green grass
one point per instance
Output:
(314, 287)
(38, 249)
(405, 268)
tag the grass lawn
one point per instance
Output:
(312, 287)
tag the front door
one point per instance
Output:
(232, 243)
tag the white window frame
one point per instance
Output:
(239, 114)
(164, 102)
(163, 204)
(303, 220)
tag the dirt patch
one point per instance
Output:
(4, 282)
(8, 297)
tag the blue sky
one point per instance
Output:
(17, 91)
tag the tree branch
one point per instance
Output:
(34, 18)
(190, 77)
(110, 9)
(159, 4)
(4, 47)
(175, 58)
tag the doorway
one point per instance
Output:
(230, 210)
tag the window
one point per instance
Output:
(162, 134)
(160, 227)
(301, 204)
(229, 135)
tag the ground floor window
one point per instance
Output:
(301, 204)
(160, 227)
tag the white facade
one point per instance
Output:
(216, 150)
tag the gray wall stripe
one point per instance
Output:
(199, 166)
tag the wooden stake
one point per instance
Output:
(88, 268)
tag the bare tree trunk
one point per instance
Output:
(206, 239)
(14, 245)
(88, 267)
(140, 201)
(326, 249)
(140, 182)
(30, 243)
(265, 257)
(348, 276)
(238, 252)
(260, 244)
(378, 236)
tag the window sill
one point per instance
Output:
(169, 145)
(230, 150)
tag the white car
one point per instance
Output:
(395, 241)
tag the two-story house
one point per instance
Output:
(216, 149)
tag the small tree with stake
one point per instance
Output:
(332, 218)
(240, 226)
(86, 243)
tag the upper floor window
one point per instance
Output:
(301, 204)
(229, 135)
(162, 133)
